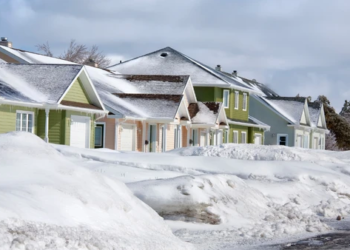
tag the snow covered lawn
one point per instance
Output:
(48, 202)
(218, 197)
(54, 196)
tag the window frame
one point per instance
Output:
(233, 136)
(245, 137)
(278, 139)
(236, 100)
(21, 112)
(103, 134)
(228, 98)
(245, 102)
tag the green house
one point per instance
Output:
(210, 85)
(56, 102)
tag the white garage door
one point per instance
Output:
(257, 139)
(80, 131)
(127, 138)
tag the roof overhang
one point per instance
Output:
(227, 86)
(265, 127)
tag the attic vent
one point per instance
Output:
(164, 54)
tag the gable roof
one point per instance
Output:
(168, 61)
(258, 86)
(204, 112)
(22, 56)
(43, 83)
(289, 108)
(156, 106)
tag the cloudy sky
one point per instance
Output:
(294, 46)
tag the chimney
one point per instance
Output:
(5, 42)
(91, 62)
(234, 73)
(218, 67)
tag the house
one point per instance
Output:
(294, 121)
(153, 113)
(54, 101)
(210, 85)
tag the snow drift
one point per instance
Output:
(48, 202)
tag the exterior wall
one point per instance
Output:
(8, 117)
(216, 94)
(278, 124)
(240, 129)
(76, 93)
(170, 137)
(185, 140)
(8, 59)
(319, 135)
(110, 132)
(56, 126)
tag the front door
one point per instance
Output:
(257, 139)
(99, 135)
(152, 138)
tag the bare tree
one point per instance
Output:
(78, 53)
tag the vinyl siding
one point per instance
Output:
(8, 117)
(76, 93)
(215, 94)
(56, 126)
(239, 129)
(252, 132)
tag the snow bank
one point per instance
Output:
(48, 202)
(258, 152)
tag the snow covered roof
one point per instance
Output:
(168, 61)
(262, 88)
(105, 80)
(156, 106)
(204, 112)
(252, 122)
(22, 56)
(41, 83)
(290, 108)
(315, 112)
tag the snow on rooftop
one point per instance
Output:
(176, 63)
(314, 115)
(292, 110)
(34, 58)
(36, 82)
(204, 115)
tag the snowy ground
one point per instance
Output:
(226, 197)
(233, 195)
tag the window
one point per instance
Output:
(226, 96)
(244, 137)
(195, 137)
(235, 136)
(99, 136)
(282, 140)
(25, 121)
(244, 101)
(236, 99)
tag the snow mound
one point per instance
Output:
(48, 202)
(226, 200)
(257, 152)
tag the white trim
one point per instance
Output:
(236, 100)
(278, 139)
(235, 132)
(249, 124)
(70, 85)
(20, 125)
(104, 132)
(245, 101)
(164, 142)
(228, 98)
(245, 137)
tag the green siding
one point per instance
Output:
(76, 93)
(8, 117)
(239, 129)
(215, 94)
(56, 126)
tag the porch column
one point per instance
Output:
(116, 131)
(143, 136)
(208, 137)
(188, 136)
(47, 112)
